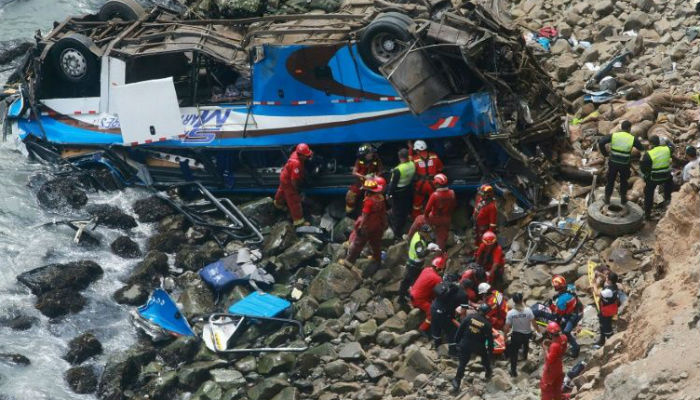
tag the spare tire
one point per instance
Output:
(73, 60)
(125, 10)
(384, 39)
(615, 219)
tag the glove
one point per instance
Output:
(433, 247)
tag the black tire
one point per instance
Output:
(615, 219)
(125, 10)
(377, 39)
(72, 59)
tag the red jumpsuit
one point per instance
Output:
(428, 165)
(553, 372)
(288, 191)
(485, 218)
(438, 214)
(491, 258)
(362, 167)
(499, 309)
(422, 294)
(369, 227)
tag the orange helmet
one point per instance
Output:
(559, 282)
(375, 185)
(304, 150)
(553, 328)
(439, 262)
(440, 180)
(486, 190)
(489, 238)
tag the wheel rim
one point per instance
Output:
(385, 46)
(614, 210)
(73, 63)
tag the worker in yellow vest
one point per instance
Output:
(621, 143)
(656, 167)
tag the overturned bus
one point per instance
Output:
(155, 98)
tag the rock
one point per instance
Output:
(82, 347)
(281, 236)
(288, 393)
(396, 323)
(192, 375)
(154, 264)
(679, 51)
(76, 275)
(14, 359)
(124, 247)
(18, 322)
(162, 386)
(352, 351)
(305, 308)
(326, 330)
(167, 242)
(336, 369)
(372, 393)
(565, 66)
(407, 338)
(401, 388)
(152, 209)
(274, 363)
(61, 193)
(208, 391)
(60, 302)
(374, 372)
(569, 271)
(603, 7)
(345, 387)
(111, 216)
(193, 259)
(414, 319)
(365, 332)
(181, 350)
(267, 389)
(196, 297)
(419, 360)
(332, 308)
(385, 338)
(133, 294)
(334, 280)
(310, 359)
(637, 20)
(500, 381)
(261, 211)
(121, 370)
(297, 254)
(538, 275)
(246, 364)
(396, 255)
(175, 222)
(560, 46)
(227, 378)
(81, 380)
(342, 230)
(11, 50)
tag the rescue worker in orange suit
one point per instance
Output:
(438, 212)
(428, 164)
(485, 214)
(422, 291)
(370, 225)
(498, 306)
(291, 178)
(553, 373)
(368, 164)
(474, 273)
(490, 256)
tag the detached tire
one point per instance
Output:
(615, 219)
(73, 60)
(382, 39)
(125, 10)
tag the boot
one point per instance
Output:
(487, 375)
(513, 373)
(455, 384)
(606, 200)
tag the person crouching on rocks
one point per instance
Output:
(422, 291)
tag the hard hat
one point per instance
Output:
(484, 288)
(439, 262)
(365, 149)
(558, 281)
(606, 293)
(426, 228)
(553, 328)
(440, 180)
(373, 185)
(420, 145)
(484, 308)
(304, 150)
(486, 190)
(489, 238)
(381, 183)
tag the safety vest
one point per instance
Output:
(426, 168)
(621, 147)
(416, 249)
(660, 163)
(406, 171)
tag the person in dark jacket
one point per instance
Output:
(448, 296)
(474, 336)
(621, 144)
(656, 167)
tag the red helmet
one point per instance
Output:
(553, 328)
(559, 282)
(439, 262)
(489, 238)
(440, 180)
(304, 150)
(375, 185)
(486, 190)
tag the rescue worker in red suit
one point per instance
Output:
(497, 304)
(422, 293)
(438, 212)
(290, 178)
(370, 225)
(485, 213)
(553, 372)
(474, 273)
(428, 164)
(368, 164)
(490, 256)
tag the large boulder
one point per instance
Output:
(191, 376)
(11, 50)
(298, 254)
(111, 216)
(18, 322)
(124, 247)
(193, 259)
(208, 391)
(281, 236)
(76, 275)
(261, 212)
(14, 359)
(274, 363)
(154, 264)
(181, 350)
(334, 280)
(152, 209)
(81, 380)
(133, 294)
(82, 347)
(267, 388)
(167, 242)
(196, 297)
(56, 303)
(122, 370)
(60, 194)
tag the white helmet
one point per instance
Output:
(420, 145)
(484, 288)
(606, 293)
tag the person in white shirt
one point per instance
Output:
(691, 154)
(522, 321)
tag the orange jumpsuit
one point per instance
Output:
(362, 167)
(422, 294)
(438, 214)
(485, 218)
(553, 372)
(288, 191)
(369, 227)
(491, 258)
(428, 164)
